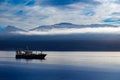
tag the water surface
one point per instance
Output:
(61, 66)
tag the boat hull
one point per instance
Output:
(24, 56)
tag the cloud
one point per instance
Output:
(33, 16)
(88, 12)
(28, 14)
(116, 13)
(100, 30)
(115, 1)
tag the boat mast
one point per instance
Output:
(27, 48)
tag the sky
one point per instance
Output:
(28, 14)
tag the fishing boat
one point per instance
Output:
(28, 54)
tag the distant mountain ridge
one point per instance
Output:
(9, 28)
(68, 25)
(7, 31)
(55, 26)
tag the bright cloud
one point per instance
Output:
(100, 30)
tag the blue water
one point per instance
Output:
(62, 66)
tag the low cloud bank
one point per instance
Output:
(100, 30)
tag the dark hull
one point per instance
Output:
(23, 56)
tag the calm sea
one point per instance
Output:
(61, 66)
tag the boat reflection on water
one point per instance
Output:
(27, 60)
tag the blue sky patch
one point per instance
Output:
(50, 2)
(58, 2)
(15, 2)
(31, 3)
(2, 28)
(2, 1)
(110, 20)
(67, 2)
(88, 12)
